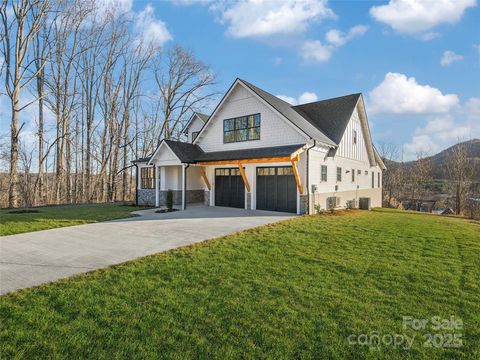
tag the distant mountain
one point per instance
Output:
(439, 161)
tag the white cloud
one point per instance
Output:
(317, 52)
(419, 16)
(257, 18)
(105, 7)
(438, 134)
(151, 30)
(398, 94)
(304, 98)
(339, 38)
(449, 57)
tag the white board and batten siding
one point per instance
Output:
(274, 130)
(349, 156)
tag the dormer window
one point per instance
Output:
(243, 128)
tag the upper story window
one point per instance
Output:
(378, 180)
(339, 174)
(243, 128)
(354, 137)
(353, 175)
(147, 178)
(324, 173)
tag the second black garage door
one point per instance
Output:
(276, 189)
(229, 188)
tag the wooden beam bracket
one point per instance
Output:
(205, 178)
(242, 172)
(297, 177)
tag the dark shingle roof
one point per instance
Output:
(295, 117)
(186, 152)
(141, 160)
(330, 116)
(276, 151)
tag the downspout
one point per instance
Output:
(184, 191)
(308, 177)
(136, 184)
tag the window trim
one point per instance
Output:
(339, 174)
(247, 128)
(322, 167)
(355, 137)
(353, 175)
(147, 182)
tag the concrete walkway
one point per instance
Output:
(38, 257)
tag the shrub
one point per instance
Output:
(169, 200)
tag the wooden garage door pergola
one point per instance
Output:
(293, 159)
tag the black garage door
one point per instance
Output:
(229, 188)
(276, 189)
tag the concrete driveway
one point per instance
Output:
(35, 258)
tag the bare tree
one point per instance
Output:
(460, 171)
(184, 87)
(20, 24)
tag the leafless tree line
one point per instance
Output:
(413, 181)
(101, 96)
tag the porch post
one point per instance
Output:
(184, 187)
(156, 186)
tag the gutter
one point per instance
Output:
(184, 191)
(308, 177)
(136, 184)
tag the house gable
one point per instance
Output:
(363, 149)
(164, 155)
(275, 130)
(194, 125)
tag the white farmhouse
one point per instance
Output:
(256, 151)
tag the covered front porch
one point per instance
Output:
(272, 179)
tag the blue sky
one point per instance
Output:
(421, 106)
(416, 62)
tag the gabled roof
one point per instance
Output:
(267, 152)
(295, 117)
(201, 116)
(186, 152)
(330, 116)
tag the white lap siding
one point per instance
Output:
(274, 130)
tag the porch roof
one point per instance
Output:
(267, 152)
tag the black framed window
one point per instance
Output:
(378, 180)
(323, 175)
(147, 178)
(243, 128)
(339, 174)
(353, 175)
(354, 137)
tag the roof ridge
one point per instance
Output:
(334, 98)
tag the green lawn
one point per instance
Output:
(49, 217)
(297, 289)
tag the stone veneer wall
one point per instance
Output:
(146, 197)
(206, 198)
(304, 204)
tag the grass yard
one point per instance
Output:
(16, 221)
(297, 289)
